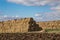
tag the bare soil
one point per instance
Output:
(29, 36)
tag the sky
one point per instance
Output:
(40, 10)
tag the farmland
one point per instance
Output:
(29, 29)
(29, 36)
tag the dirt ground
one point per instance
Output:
(29, 36)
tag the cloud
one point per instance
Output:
(5, 17)
(54, 6)
(57, 8)
(53, 15)
(35, 2)
(37, 14)
(56, 11)
(48, 16)
(16, 16)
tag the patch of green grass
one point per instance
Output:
(52, 30)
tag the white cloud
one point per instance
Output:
(52, 14)
(5, 16)
(56, 11)
(48, 16)
(57, 8)
(35, 2)
(37, 14)
(16, 16)
(54, 4)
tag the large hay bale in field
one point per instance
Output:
(19, 25)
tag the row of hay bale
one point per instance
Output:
(19, 25)
(50, 24)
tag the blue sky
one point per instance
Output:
(26, 9)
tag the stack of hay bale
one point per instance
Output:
(19, 25)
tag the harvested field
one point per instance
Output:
(29, 36)
(19, 25)
(50, 24)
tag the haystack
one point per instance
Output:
(19, 25)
